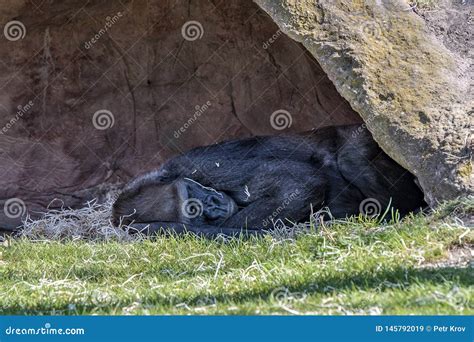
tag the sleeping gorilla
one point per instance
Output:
(241, 185)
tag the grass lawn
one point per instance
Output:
(415, 266)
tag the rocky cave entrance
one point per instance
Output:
(96, 93)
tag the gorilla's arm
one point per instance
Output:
(154, 228)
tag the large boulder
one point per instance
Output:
(412, 83)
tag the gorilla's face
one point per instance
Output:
(204, 204)
(183, 200)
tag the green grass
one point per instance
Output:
(357, 267)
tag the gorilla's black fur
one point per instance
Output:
(251, 182)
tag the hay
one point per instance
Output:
(91, 223)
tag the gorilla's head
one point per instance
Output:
(183, 200)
